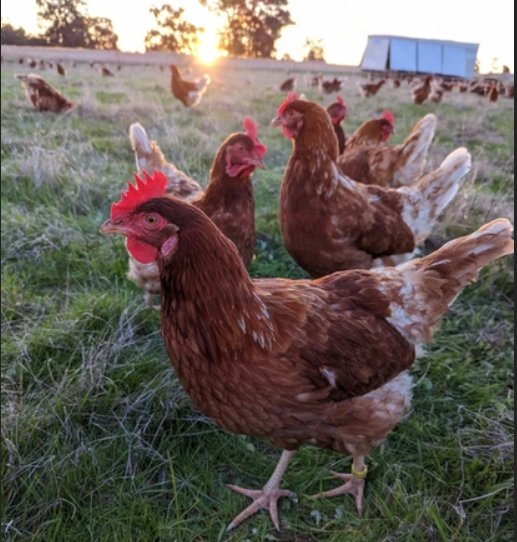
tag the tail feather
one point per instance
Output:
(424, 289)
(203, 83)
(427, 200)
(414, 151)
(148, 154)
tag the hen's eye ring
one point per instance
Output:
(151, 220)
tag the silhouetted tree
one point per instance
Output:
(252, 27)
(67, 23)
(314, 50)
(477, 66)
(506, 69)
(173, 32)
(18, 36)
(101, 34)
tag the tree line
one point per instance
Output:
(251, 28)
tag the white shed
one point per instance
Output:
(415, 55)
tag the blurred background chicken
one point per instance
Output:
(106, 72)
(338, 112)
(60, 69)
(370, 89)
(189, 94)
(493, 93)
(43, 96)
(422, 92)
(289, 85)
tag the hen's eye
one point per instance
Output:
(150, 220)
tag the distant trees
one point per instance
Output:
(67, 23)
(252, 27)
(172, 33)
(18, 36)
(314, 50)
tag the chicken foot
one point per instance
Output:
(354, 484)
(267, 498)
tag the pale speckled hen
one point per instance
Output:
(43, 96)
(368, 160)
(318, 363)
(330, 222)
(228, 199)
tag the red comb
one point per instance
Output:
(144, 190)
(389, 116)
(293, 97)
(252, 133)
(251, 128)
(341, 101)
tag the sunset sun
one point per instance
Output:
(208, 51)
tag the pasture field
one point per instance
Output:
(100, 443)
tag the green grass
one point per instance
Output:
(100, 443)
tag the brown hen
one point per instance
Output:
(338, 112)
(330, 222)
(318, 363)
(370, 89)
(366, 160)
(421, 93)
(228, 199)
(188, 93)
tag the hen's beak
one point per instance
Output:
(258, 163)
(108, 228)
(277, 122)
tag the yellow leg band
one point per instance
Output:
(360, 475)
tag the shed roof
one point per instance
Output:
(440, 42)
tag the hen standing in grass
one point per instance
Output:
(330, 222)
(189, 94)
(493, 93)
(106, 72)
(228, 199)
(370, 89)
(367, 160)
(318, 363)
(43, 96)
(421, 93)
(338, 112)
(289, 85)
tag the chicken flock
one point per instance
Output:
(321, 362)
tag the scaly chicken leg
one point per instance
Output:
(354, 484)
(266, 499)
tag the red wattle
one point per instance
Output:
(142, 252)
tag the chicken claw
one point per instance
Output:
(267, 498)
(354, 485)
(263, 500)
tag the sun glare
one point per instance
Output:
(208, 51)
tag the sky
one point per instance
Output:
(343, 24)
